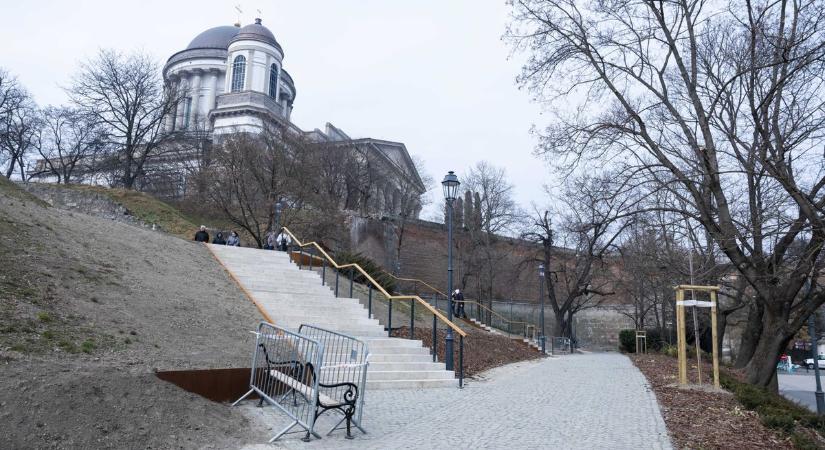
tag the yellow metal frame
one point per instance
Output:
(681, 335)
(375, 284)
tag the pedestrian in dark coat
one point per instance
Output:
(202, 235)
(458, 298)
(219, 239)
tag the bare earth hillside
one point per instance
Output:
(89, 308)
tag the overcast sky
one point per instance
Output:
(434, 75)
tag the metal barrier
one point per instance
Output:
(345, 360)
(283, 375)
(290, 371)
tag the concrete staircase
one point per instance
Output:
(292, 297)
(531, 342)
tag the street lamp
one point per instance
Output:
(542, 337)
(450, 185)
(277, 224)
(818, 394)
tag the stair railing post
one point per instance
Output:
(310, 258)
(389, 317)
(323, 272)
(336, 282)
(300, 258)
(369, 302)
(435, 341)
(351, 269)
(510, 323)
(412, 318)
(460, 362)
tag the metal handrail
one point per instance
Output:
(377, 286)
(436, 290)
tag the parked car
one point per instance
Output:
(809, 363)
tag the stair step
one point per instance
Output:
(411, 384)
(409, 374)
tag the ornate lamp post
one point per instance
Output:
(277, 224)
(450, 185)
(542, 337)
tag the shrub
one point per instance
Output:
(371, 267)
(777, 418)
(87, 346)
(670, 350)
(627, 341)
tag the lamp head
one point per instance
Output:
(450, 185)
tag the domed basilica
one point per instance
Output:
(232, 79)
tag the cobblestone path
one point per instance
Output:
(592, 401)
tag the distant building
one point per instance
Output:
(232, 79)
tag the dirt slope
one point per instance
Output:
(88, 309)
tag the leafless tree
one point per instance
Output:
(126, 95)
(19, 123)
(68, 143)
(493, 213)
(719, 103)
(578, 252)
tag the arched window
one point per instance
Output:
(273, 80)
(238, 73)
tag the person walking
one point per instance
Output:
(458, 298)
(270, 240)
(233, 240)
(219, 239)
(202, 235)
(283, 240)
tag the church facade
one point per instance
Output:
(232, 79)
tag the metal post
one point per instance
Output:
(323, 272)
(336, 282)
(448, 349)
(820, 396)
(412, 319)
(300, 258)
(435, 340)
(369, 302)
(543, 337)
(350, 281)
(389, 317)
(460, 362)
(310, 258)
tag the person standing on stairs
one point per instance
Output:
(270, 240)
(202, 235)
(219, 239)
(458, 299)
(283, 240)
(233, 240)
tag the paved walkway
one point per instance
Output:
(594, 401)
(800, 387)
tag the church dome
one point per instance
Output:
(217, 37)
(256, 32)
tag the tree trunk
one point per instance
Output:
(761, 369)
(750, 336)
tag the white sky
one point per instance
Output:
(434, 75)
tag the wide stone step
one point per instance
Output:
(376, 345)
(410, 375)
(400, 357)
(411, 384)
(405, 366)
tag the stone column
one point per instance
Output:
(227, 82)
(182, 86)
(278, 85)
(195, 114)
(211, 93)
(250, 64)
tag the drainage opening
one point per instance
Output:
(218, 385)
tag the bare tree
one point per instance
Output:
(577, 253)
(126, 95)
(719, 103)
(19, 123)
(492, 213)
(68, 143)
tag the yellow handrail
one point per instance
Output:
(416, 280)
(377, 286)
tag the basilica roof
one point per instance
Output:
(217, 37)
(256, 32)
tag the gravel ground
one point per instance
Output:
(594, 401)
(89, 309)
